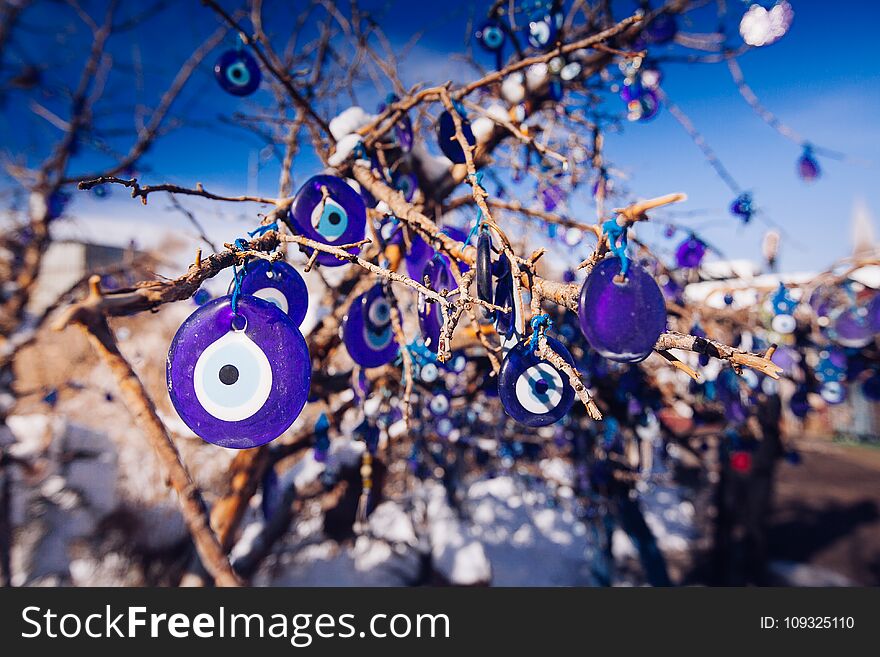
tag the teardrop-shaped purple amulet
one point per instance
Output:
(621, 321)
(326, 209)
(367, 331)
(238, 379)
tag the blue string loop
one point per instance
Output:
(617, 241)
(238, 274)
(262, 230)
(359, 152)
(538, 321)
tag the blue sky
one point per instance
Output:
(821, 79)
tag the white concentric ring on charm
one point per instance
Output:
(248, 393)
(525, 386)
(273, 295)
(783, 324)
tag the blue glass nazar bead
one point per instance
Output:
(279, 283)
(483, 265)
(807, 165)
(621, 320)
(238, 72)
(490, 35)
(532, 391)
(326, 209)
(367, 331)
(238, 379)
(403, 132)
(743, 207)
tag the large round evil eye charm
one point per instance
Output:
(439, 276)
(532, 390)
(327, 210)
(237, 72)
(238, 379)
(278, 283)
(484, 266)
(449, 144)
(367, 332)
(621, 320)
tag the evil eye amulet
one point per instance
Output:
(237, 72)
(238, 379)
(327, 210)
(833, 392)
(621, 320)
(484, 266)
(448, 142)
(490, 35)
(367, 331)
(280, 284)
(430, 317)
(532, 391)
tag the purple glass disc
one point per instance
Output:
(532, 390)
(621, 321)
(278, 283)
(340, 219)
(241, 386)
(367, 331)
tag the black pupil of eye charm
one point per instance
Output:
(367, 332)
(327, 210)
(238, 379)
(237, 72)
(228, 374)
(532, 391)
